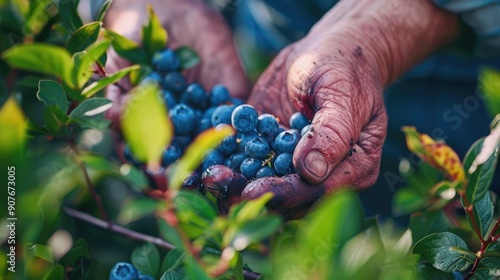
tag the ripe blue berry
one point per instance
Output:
(183, 119)
(152, 77)
(257, 148)
(222, 115)
(219, 95)
(123, 271)
(249, 167)
(171, 154)
(283, 164)
(169, 99)
(237, 101)
(298, 121)
(228, 145)
(203, 125)
(265, 171)
(212, 158)
(267, 126)
(243, 138)
(286, 141)
(195, 96)
(244, 118)
(165, 61)
(236, 160)
(174, 81)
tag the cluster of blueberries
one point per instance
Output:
(260, 148)
(127, 271)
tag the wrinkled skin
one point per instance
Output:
(335, 76)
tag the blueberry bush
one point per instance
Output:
(157, 195)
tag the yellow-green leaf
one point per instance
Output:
(84, 60)
(13, 126)
(41, 58)
(489, 81)
(154, 36)
(146, 125)
(207, 140)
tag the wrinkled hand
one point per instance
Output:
(335, 76)
(190, 23)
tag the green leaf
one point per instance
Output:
(40, 12)
(137, 209)
(54, 119)
(193, 155)
(193, 269)
(194, 211)
(84, 37)
(69, 15)
(76, 260)
(40, 251)
(91, 108)
(127, 48)
(407, 200)
(84, 60)
(13, 124)
(103, 9)
(489, 81)
(146, 125)
(488, 268)
(98, 85)
(446, 251)
(254, 231)
(427, 272)
(187, 56)
(172, 259)
(146, 259)
(425, 223)
(41, 58)
(154, 36)
(52, 94)
(170, 274)
(249, 210)
(57, 272)
(480, 180)
(170, 234)
(483, 214)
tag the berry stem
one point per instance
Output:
(117, 229)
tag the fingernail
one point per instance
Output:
(315, 162)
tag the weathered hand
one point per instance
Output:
(335, 76)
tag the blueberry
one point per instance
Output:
(182, 141)
(192, 181)
(267, 126)
(123, 271)
(212, 158)
(286, 141)
(169, 98)
(236, 160)
(222, 115)
(183, 119)
(165, 61)
(228, 145)
(305, 130)
(174, 81)
(283, 164)
(195, 96)
(237, 101)
(244, 118)
(219, 95)
(208, 113)
(298, 121)
(265, 171)
(243, 138)
(171, 154)
(127, 154)
(203, 125)
(250, 166)
(152, 77)
(257, 148)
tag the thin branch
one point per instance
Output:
(118, 229)
(90, 186)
